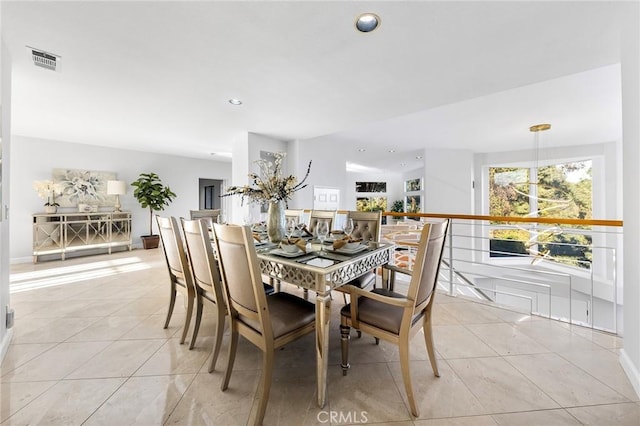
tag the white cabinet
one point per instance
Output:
(62, 233)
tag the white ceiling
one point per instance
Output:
(156, 76)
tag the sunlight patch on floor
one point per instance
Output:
(25, 281)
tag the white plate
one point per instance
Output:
(280, 252)
(358, 249)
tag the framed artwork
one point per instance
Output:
(83, 186)
(413, 185)
(413, 204)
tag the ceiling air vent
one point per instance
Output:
(44, 59)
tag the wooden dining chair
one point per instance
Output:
(395, 317)
(366, 226)
(206, 213)
(319, 215)
(206, 277)
(269, 322)
(180, 278)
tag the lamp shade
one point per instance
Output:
(116, 187)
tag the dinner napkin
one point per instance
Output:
(299, 242)
(306, 232)
(341, 242)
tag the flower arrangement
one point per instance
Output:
(47, 190)
(270, 185)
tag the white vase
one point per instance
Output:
(50, 209)
(275, 221)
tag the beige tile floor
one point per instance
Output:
(89, 348)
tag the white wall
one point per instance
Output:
(630, 66)
(5, 153)
(33, 159)
(394, 188)
(327, 170)
(448, 179)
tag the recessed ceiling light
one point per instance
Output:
(392, 150)
(418, 157)
(367, 22)
(234, 101)
(361, 150)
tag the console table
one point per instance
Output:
(62, 233)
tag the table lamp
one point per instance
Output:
(117, 188)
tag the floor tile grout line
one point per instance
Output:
(33, 400)
(592, 376)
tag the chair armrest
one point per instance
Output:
(398, 269)
(395, 301)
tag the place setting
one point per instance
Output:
(344, 243)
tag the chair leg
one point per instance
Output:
(233, 346)
(344, 344)
(359, 333)
(428, 339)
(187, 320)
(377, 340)
(406, 375)
(196, 327)
(172, 302)
(265, 386)
(219, 334)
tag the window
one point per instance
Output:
(371, 204)
(371, 196)
(413, 185)
(371, 186)
(560, 191)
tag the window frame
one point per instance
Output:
(597, 170)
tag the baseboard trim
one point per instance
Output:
(4, 346)
(630, 370)
(17, 260)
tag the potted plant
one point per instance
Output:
(151, 193)
(398, 207)
(47, 190)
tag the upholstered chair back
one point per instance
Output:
(206, 274)
(321, 215)
(366, 225)
(241, 276)
(173, 249)
(428, 259)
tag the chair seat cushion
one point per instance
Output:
(363, 281)
(289, 312)
(378, 314)
(268, 290)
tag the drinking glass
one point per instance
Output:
(322, 228)
(221, 219)
(348, 227)
(291, 226)
(300, 227)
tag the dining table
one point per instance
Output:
(321, 271)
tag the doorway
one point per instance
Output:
(210, 191)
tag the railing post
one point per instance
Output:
(451, 258)
(591, 308)
(615, 292)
